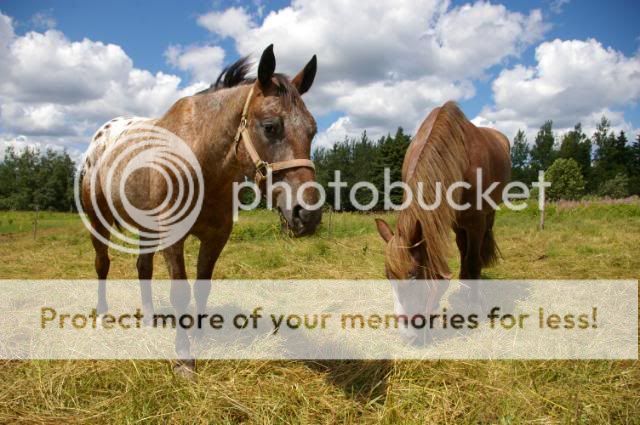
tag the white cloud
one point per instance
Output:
(384, 63)
(203, 62)
(386, 105)
(556, 6)
(47, 67)
(57, 91)
(43, 20)
(572, 81)
(231, 22)
(20, 143)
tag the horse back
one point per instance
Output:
(488, 150)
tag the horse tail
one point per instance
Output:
(490, 253)
(80, 181)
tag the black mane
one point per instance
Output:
(236, 75)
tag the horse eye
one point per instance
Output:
(269, 128)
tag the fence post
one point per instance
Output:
(35, 224)
(542, 201)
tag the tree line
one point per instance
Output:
(603, 164)
(31, 180)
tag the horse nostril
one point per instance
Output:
(297, 213)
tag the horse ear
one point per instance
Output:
(267, 66)
(416, 234)
(384, 229)
(304, 79)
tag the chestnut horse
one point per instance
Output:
(448, 148)
(236, 128)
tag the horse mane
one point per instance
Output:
(441, 157)
(236, 75)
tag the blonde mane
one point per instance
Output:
(437, 153)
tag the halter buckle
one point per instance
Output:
(262, 170)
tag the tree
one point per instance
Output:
(634, 167)
(520, 170)
(31, 180)
(566, 180)
(611, 156)
(391, 156)
(542, 153)
(616, 188)
(362, 160)
(576, 145)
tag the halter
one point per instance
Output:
(263, 168)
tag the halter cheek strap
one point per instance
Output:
(263, 168)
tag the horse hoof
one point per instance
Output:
(185, 369)
(196, 334)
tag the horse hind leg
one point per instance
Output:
(102, 264)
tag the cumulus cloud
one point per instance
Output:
(57, 91)
(47, 67)
(378, 105)
(572, 81)
(231, 22)
(384, 63)
(204, 63)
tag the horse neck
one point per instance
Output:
(208, 123)
(220, 113)
(445, 164)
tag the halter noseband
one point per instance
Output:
(263, 168)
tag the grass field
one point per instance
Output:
(597, 240)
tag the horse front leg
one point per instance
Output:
(473, 264)
(145, 275)
(180, 298)
(461, 242)
(210, 249)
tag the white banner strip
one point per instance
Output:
(326, 319)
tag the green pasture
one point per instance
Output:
(595, 239)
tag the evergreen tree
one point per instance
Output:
(611, 153)
(542, 153)
(362, 160)
(391, 153)
(634, 167)
(520, 169)
(577, 146)
(31, 180)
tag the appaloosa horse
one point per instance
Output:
(236, 128)
(447, 149)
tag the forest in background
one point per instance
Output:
(603, 164)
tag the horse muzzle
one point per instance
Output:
(300, 221)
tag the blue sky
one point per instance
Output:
(145, 30)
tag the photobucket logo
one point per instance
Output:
(147, 182)
(482, 196)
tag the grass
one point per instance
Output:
(593, 240)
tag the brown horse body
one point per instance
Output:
(448, 148)
(281, 129)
